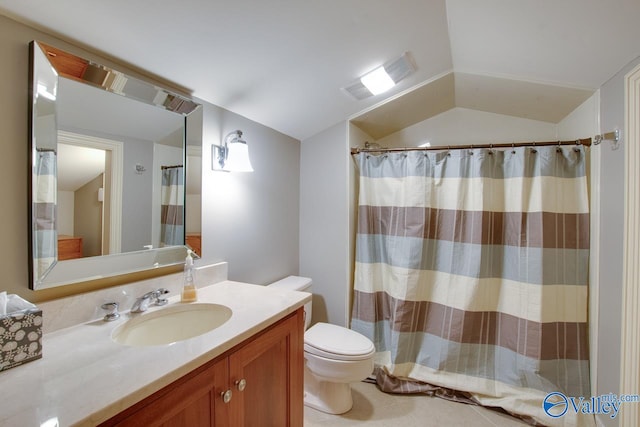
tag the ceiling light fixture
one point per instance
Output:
(377, 81)
(232, 155)
(382, 78)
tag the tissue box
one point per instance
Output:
(20, 337)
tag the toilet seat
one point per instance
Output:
(337, 343)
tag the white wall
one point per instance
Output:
(612, 117)
(324, 222)
(461, 126)
(136, 197)
(251, 219)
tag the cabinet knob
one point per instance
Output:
(241, 384)
(226, 396)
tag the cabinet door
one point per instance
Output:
(193, 401)
(266, 377)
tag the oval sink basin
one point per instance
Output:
(168, 325)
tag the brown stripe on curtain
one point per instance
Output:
(542, 341)
(556, 230)
(172, 214)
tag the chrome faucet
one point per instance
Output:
(142, 303)
(112, 311)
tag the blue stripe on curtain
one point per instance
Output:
(472, 260)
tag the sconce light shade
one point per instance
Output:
(232, 156)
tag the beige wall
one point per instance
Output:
(14, 146)
(256, 230)
(462, 126)
(88, 217)
(583, 122)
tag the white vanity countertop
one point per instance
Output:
(84, 378)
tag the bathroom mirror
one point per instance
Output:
(115, 171)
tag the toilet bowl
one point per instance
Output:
(334, 357)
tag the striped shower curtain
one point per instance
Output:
(172, 215)
(44, 233)
(472, 274)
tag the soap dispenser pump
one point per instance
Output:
(189, 291)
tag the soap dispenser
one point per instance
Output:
(189, 291)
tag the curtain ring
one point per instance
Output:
(513, 148)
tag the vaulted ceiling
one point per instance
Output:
(283, 63)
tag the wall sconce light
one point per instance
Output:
(232, 155)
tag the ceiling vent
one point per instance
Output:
(397, 69)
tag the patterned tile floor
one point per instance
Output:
(374, 408)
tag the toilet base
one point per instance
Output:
(329, 397)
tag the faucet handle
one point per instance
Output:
(159, 299)
(112, 311)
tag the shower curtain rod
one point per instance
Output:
(369, 149)
(170, 167)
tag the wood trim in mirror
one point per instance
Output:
(85, 71)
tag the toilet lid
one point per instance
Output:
(337, 342)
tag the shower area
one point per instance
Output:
(490, 274)
(470, 259)
(471, 272)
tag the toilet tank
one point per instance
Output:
(297, 283)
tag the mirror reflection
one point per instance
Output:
(116, 171)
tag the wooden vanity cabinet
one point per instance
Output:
(271, 365)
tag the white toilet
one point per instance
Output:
(334, 357)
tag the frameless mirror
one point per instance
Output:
(115, 172)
